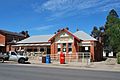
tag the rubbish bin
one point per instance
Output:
(48, 60)
(62, 58)
(43, 59)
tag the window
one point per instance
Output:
(41, 49)
(64, 47)
(69, 47)
(85, 49)
(59, 47)
(29, 50)
(35, 50)
(12, 53)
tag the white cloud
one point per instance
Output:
(42, 28)
(59, 8)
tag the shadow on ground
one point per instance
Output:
(27, 63)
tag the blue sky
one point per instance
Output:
(47, 16)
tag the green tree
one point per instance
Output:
(111, 19)
(114, 37)
(109, 34)
(112, 32)
(95, 32)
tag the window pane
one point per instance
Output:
(64, 45)
(69, 49)
(58, 49)
(35, 50)
(69, 45)
(12, 53)
(41, 49)
(29, 50)
(59, 46)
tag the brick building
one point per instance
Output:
(76, 45)
(79, 44)
(8, 38)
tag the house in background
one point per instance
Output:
(74, 45)
(8, 38)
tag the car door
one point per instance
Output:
(13, 56)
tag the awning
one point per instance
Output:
(48, 44)
(2, 45)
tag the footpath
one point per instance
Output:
(108, 65)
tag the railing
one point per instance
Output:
(82, 57)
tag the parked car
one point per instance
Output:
(13, 56)
(1, 57)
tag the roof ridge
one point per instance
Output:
(10, 32)
(43, 35)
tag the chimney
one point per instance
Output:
(67, 28)
(77, 29)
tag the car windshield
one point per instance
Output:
(12, 53)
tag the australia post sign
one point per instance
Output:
(63, 38)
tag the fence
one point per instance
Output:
(82, 57)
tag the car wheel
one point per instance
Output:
(2, 60)
(22, 60)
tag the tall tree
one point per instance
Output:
(111, 19)
(110, 33)
(114, 37)
(95, 32)
(111, 30)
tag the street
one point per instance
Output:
(22, 72)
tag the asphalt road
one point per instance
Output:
(21, 72)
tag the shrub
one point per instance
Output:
(118, 57)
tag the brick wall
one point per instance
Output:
(74, 48)
(92, 50)
(98, 51)
(2, 39)
(52, 47)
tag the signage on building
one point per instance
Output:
(64, 39)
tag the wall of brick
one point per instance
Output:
(2, 42)
(92, 51)
(98, 51)
(52, 47)
(74, 48)
(2, 39)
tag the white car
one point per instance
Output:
(13, 56)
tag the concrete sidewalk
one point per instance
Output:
(108, 65)
(103, 65)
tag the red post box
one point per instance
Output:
(62, 58)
